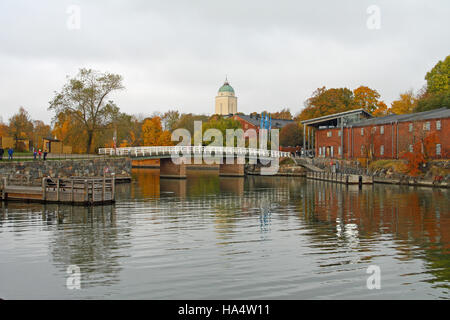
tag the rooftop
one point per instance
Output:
(256, 120)
(426, 115)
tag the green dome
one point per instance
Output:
(226, 88)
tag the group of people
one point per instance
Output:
(10, 153)
(36, 153)
(39, 153)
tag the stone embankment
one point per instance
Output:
(34, 171)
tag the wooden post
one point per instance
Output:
(4, 189)
(44, 189)
(103, 188)
(93, 193)
(71, 186)
(57, 190)
(86, 193)
(113, 187)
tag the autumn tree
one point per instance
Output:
(84, 97)
(284, 114)
(368, 99)
(40, 131)
(169, 119)
(423, 148)
(21, 125)
(153, 133)
(67, 129)
(4, 129)
(406, 104)
(327, 101)
(291, 135)
(381, 110)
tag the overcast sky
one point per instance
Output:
(175, 54)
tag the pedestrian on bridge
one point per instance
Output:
(10, 153)
(2, 151)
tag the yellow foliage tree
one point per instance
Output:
(406, 104)
(153, 134)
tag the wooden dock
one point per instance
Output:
(340, 177)
(75, 190)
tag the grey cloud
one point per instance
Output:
(176, 53)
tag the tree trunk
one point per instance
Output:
(89, 141)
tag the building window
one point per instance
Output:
(329, 134)
(426, 126)
(320, 151)
(362, 150)
(411, 149)
(410, 127)
(362, 131)
(438, 149)
(382, 130)
(438, 125)
(339, 133)
(382, 150)
(340, 151)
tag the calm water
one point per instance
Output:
(231, 238)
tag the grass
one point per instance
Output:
(395, 165)
(287, 162)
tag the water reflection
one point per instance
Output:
(417, 219)
(256, 237)
(84, 236)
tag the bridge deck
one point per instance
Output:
(194, 151)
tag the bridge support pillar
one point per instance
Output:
(168, 169)
(231, 170)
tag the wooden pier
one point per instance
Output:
(340, 177)
(74, 190)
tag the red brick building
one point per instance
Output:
(338, 136)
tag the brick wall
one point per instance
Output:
(383, 144)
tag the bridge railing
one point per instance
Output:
(193, 150)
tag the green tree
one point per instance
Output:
(436, 94)
(221, 124)
(438, 78)
(85, 98)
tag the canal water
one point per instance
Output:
(231, 238)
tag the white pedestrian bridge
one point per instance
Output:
(204, 151)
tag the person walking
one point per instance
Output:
(10, 153)
(2, 151)
(34, 153)
(40, 154)
(45, 155)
